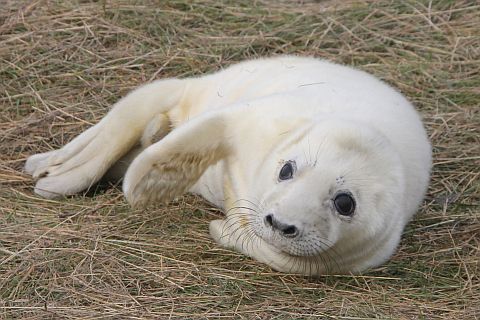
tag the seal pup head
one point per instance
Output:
(311, 196)
(331, 197)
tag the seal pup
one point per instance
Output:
(317, 166)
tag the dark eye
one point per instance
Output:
(345, 204)
(287, 171)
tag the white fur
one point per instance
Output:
(232, 131)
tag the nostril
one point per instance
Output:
(290, 231)
(269, 220)
(286, 230)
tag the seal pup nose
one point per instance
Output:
(286, 230)
(269, 220)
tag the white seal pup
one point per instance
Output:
(317, 166)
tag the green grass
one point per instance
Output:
(64, 63)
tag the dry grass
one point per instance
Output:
(63, 63)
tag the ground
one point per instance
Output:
(64, 63)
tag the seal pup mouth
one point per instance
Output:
(289, 240)
(311, 257)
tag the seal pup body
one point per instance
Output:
(318, 166)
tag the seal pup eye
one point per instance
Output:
(344, 204)
(286, 172)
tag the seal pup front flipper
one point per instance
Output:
(168, 168)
